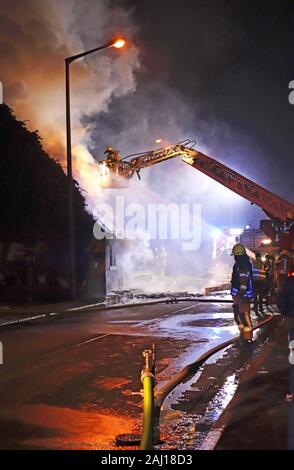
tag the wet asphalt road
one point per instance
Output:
(68, 382)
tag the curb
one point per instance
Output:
(101, 306)
(83, 309)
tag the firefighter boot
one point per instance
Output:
(247, 327)
(248, 334)
(241, 331)
(238, 320)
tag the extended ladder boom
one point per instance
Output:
(274, 206)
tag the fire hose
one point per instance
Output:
(148, 381)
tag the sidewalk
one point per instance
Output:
(14, 313)
(258, 417)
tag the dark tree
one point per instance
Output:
(33, 201)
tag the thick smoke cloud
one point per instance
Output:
(133, 124)
(36, 36)
(115, 103)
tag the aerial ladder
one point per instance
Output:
(280, 225)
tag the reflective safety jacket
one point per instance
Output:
(241, 283)
(283, 264)
(258, 271)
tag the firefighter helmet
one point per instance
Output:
(239, 250)
(109, 149)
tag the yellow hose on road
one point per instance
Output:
(148, 412)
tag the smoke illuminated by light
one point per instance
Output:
(266, 241)
(87, 171)
(236, 231)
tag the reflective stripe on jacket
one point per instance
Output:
(258, 271)
(283, 265)
(241, 282)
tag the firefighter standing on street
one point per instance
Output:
(286, 307)
(283, 266)
(270, 277)
(259, 283)
(241, 290)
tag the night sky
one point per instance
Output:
(229, 63)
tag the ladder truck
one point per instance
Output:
(279, 227)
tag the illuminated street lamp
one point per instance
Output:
(118, 44)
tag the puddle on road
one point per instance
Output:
(220, 328)
(189, 430)
(210, 326)
(188, 358)
(220, 401)
(189, 413)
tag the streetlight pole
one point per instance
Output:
(118, 43)
(70, 184)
